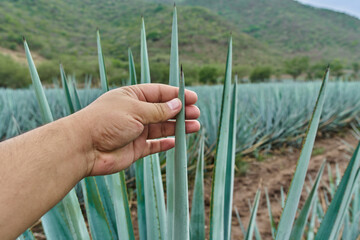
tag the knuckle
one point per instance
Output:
(160, 112)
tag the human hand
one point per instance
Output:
(121, 125)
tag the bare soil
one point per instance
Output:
(274, 171)
(20, 57)
(277, 171)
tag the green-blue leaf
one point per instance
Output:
(153, 188)
(170, 157)
(252, 221)
(230, 164)
(65, 219)
(181, 204)
(332, 221)
(197, 220)
(218, 184)
(310, 202)
(294, 194)
(102, 69)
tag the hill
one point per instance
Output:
(65, 31)
(291, 27)
(264, 33)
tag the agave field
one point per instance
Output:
(268, 113)
(236, 119)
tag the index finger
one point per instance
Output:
(158, 93)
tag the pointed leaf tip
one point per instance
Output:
(174, 4)
(23, 37)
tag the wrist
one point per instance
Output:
(78, 130)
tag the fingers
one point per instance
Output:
(159, 93)
(192, 112)
(155, 146)
(161, 112)
(157, 112)
(159, 130)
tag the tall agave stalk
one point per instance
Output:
(197, 220)
(65, 219)
(170, 155)
(293, 197)
(181, 204)
(217, 218)
(153, 187)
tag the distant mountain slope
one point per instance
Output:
(291, 27)
(56, 29)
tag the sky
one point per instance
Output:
(351, 7)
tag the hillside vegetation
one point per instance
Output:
(65, 31)
(265, 33)
(291, 27)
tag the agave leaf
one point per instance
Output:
(66, 89)
(256, 229)
(77, 104)
(65, 219)
(282, 197)
(252, 221)
(122, 211)
(170, 191)
(310, 202)
(27, 235)
(356, 201)
(174, 53)
(230, 165)
(154, 199)
(242, 228)
(101, 218)
(332, 221)
(102, 69)
(132, 72)
(296, 186)
(218, 183)
(338, 175)
(354, 228)
(153, 188)
(39, 91)
(311, 228)
(139, 168)
(181, 204)
(197, 220)
(98, 221)
(140, 195)
(170, 157)
(272, 221)
(346, 229)
(331, 181)
(145, 68)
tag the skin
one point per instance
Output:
(40, 167)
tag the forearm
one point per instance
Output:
(37, 170)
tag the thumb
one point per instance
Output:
(158, 112)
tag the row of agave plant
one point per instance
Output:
(106, 198)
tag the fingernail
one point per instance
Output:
(174, 104)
